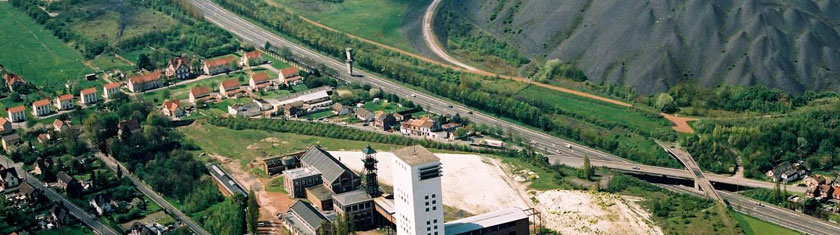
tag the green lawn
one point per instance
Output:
(753, 226)
(68, 230)
(276, 185)
(33, 52)
(106, 26)
(376, 20)
(389, 107)
(108, 63)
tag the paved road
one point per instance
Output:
(258, 36)
(777, 215)
(145, 189)
(432, 41)
(54, 196)
(694, 169)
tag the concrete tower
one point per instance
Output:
(348, 52)
(418, 200)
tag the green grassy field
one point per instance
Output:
(376, 20)
(33, 52)
(753, 226)
(108, 63)
(106, 26)
(68, 230)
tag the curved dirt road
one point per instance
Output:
(432, 41)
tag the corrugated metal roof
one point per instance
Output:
(484, 220)
(307, 214)
(324, 162)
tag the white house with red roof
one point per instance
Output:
(5, 126)
(41, 107)
(110, 89)
(172, 108)
(259, 81)
(290, 76)
(17, 113)
(252, 58)
(59, 125)
(230, 88)
(145, 82)
(220, 65)
(13, 80)
(64, 102)
(199, 93)
(88, 96)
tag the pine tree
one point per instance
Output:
(587, 168)
(252, 212)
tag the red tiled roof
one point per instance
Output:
(200, 91)
(293, 79)
(219, 62)
(12, 78)
(253, 54)
(230, 84)
(112, 85)
(16, 109)
(58, 123)
(171, 105)
(65, 97)
(422, 122)
(289, 71)
(153, 76)
(259, 77)
(41, 103)
(178, 61)
(3, 121)
(88, 91)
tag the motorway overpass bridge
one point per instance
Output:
(669, 175)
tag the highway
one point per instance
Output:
(258, 36)
(777, 215)
(149, 192)
(56, 197)
(694, 169)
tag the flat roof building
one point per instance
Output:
(502, 222)
(320, 197)
(358, 205)
(297, 180)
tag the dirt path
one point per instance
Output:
(680, 123)
(123, 59)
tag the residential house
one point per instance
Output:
(13, 81)
(785, 172)
(138, 228)
(297, 180)
(64, 102)
(8, 178)
(102, 203)
(5, 126)
(89, 96)
(60, 125)
(110, 89)
(293, 110)
(364, 115)
(290, 76)
(336, 176)
(220, 65)
(199, 93)
(70, 185)
(403, 115)
(128, 127)
(264, 105)
(29, 192)
(179, 67)
(42, 165)
(320, 197)
(357, 205)
(41, 108)
(245, 110)
(44, 138)
(16, 114)
(383, 120)
(230, 88)
(252, 58)
(340, 109)
(259, 81)
(145, 82)
(826, 191)
(303, 219)
(423, 126)
(59, 215)
(172, 109)
(10, 142)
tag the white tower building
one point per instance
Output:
(418, 201)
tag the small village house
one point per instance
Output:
(5, 126)
(340, 109)
(41, 108)
(250, 109)
(44, 138)
(59, 215)
(364, 115)
(145, 82)
(29, 192)
(64, 102)
(60, 125)
(179, 68)
(290, 76)
(423, 126)
(293, 110)
(220, 65)
(102, 203)
(786, 172)
(230, 88)
(8, 178)
(128, 127)
(17, 113)
(252, 58)
(13, 81)
(172, 109)
(199, 93)
(70, 185)
(259, 81)
(42, 165)
(383, 121)
(88, 96)
(10, 142)
(110, 89)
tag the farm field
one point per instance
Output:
(383, 25)
(753, 226)
(121, 22)
(53, 65)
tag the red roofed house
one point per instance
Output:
(5, 126)
(217, 66)
(259, 81)
(423, 126)
(110, 89)
(230, 88)
(199, 93)
(290, 76)
(145, 82)
(179, 67)
(41, 107)
(13, 81)
(88, 96)
(172, 108)
(64, 102)
(59, 125)
(16, 114)
(252, 58)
